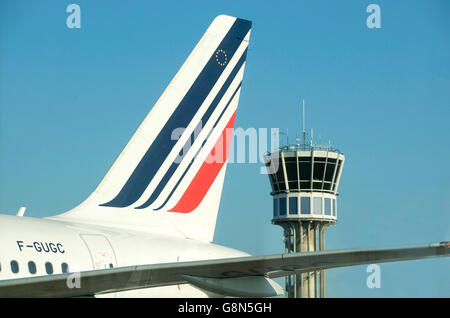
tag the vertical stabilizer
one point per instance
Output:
(170, 174)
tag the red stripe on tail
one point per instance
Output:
(207, 173)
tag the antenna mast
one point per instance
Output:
(304, 130)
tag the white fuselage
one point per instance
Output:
(36, 243)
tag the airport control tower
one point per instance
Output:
(305, 179)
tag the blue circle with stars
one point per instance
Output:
(221, 57)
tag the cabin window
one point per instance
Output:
(64, 268)
(49, 268)
(111, 265)
(14, 267)
(32, 267)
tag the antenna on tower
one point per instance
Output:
(303, 122)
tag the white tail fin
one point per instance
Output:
(170, 174)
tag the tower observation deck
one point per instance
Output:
(305, 178)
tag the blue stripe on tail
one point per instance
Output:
(203, 121)
(193, 159)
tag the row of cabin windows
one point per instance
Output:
(32, 269)
(282, 206)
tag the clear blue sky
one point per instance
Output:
(71, 98)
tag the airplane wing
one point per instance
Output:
(211, 275)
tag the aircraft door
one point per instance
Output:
(101, 251)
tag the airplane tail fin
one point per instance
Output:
(171, 172)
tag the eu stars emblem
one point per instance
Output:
(221, 57)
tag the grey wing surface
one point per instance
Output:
(154, 275)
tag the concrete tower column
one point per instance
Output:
(322, 229)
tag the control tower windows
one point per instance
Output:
(329, 172)
(305, 185)
(293, 205)
(327, 206)
(274, 183)
(282, 206)
(280, 177)
(291, 171)
(319, 168)
(304, 167)
(305, 205)
(317, 185)
(317, 205)
(275, 207)
(338, 171)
